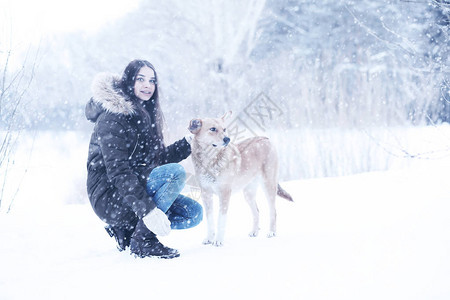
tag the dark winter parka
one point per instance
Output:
(122, 153)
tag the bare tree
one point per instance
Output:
(14, 82)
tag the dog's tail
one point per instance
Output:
(283, 194)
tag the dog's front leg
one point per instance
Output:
(207, 197)
(224, 201)
(249, 195)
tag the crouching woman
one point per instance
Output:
(134, 180)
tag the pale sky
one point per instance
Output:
(29, 20)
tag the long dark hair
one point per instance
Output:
(151, 109)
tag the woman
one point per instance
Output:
(134, 180)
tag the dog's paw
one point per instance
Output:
(253, 234)
(217, 243)
(207, 241)
(271, 234)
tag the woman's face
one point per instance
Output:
(145, 83)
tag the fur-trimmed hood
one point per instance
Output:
(108, 97)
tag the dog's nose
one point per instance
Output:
(226, 140)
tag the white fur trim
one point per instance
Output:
(111, 99)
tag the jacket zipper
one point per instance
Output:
(135, 146)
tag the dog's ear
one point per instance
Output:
(227, 115)
(195, 125)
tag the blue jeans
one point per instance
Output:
(164, 184)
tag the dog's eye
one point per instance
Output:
(224, 129)
(213, 129)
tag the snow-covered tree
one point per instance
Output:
(325, 63)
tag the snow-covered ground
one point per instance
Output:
(379, 235)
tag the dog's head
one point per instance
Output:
(210, 131)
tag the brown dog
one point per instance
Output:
(222, 167)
